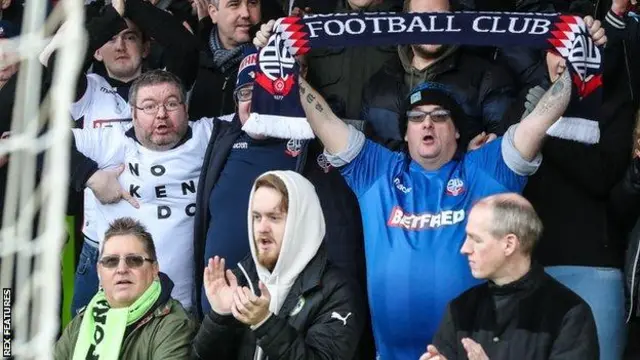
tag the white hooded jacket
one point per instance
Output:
(303, 235)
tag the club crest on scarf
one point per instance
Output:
(276, 65)
(572, 41)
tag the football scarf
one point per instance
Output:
(276, 108)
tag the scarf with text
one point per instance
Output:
(276, 108)
(103, 327)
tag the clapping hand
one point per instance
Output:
(474, 350)
(219, 292)
(249, 308)
(432, 354)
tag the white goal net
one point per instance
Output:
(33, 223)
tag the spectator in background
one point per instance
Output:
(120, 39)
(220, 56)
(520, 312)
(305, 308)
(233, 161)
(569, 192)
(525, 65)
(340, 74)
(624, 212)
(483, 90)
(132, 316)
(623, 28)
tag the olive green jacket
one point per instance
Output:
(164, 334)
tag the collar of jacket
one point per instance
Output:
(308, 280)
(529, 281)
(448, 61)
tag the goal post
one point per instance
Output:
(33, 223)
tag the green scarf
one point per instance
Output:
(102, 329)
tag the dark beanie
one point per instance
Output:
(247, 68)
(431, 93)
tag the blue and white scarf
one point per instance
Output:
(276, 108)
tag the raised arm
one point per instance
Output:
(532, 129)
(333, 132)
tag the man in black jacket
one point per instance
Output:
(304, 309)
(520, 312)
(484, 90)
(223, 44)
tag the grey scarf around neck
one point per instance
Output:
(224, 59)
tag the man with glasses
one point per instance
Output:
(133, 315)
(415, 204)
(163, 154)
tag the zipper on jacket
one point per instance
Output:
(633, 284)
(246, 275)
(224, 95)
(626, 63)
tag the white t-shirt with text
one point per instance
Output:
(164, 183)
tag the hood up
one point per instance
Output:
(303, 235)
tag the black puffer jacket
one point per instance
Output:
(624, 207)
(484, 91)
(321, 318)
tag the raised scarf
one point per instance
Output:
(102, 329)
(276, 108)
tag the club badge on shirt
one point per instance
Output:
(323, 163)
(293, 147)
(455, 187)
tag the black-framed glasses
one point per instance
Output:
(153, 108)
(437, 115)
(244, 93)
(132, 261)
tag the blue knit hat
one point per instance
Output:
(247, 68)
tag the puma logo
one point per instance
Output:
(335, 315)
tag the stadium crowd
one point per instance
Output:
(455, 203)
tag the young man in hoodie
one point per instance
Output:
(285, 300)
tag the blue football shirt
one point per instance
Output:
(414, 222)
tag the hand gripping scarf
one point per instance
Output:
(276, 108)
(102, 329)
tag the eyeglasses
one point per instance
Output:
(133, 261)
(244, 93)
(437, 115)
(152, 108)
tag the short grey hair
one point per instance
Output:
(129, 226)
(155, 77)
(513, 214)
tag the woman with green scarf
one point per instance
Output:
(132, 316)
